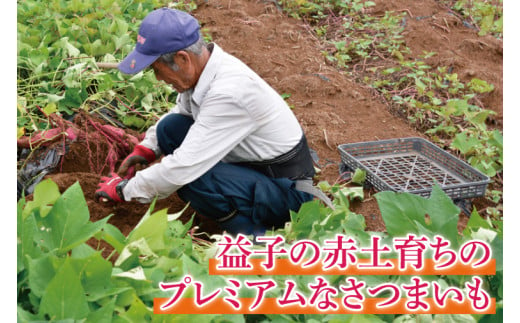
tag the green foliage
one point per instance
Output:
(484, 150)
(319, 9)
(349, 44)
(45, 195)
(405, 214)
(64, 297)
(372, 50)
(359, 176)
(57, 71)
(72, 281)
(61, 277)
(439, 103)
(486, 15)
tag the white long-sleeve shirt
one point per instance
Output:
(237, 117)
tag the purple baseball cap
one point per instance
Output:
(162, 31)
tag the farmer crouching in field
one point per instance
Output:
(231, 146)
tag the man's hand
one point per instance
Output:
(110, 189)
(139, 157)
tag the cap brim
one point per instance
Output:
(136, 62)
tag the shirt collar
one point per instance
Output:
(208, 74)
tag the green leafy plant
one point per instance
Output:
(372, 50)
(63, 275)
(403, 214)
(58, 72)
(486, 15)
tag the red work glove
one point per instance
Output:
(140, 156)
(110, 189)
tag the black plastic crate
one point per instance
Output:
(413, 165)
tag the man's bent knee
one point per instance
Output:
(171, 131)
